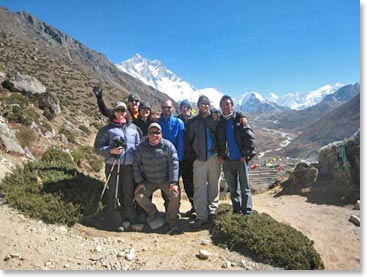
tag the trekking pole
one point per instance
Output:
(108, 178)
(117, 185)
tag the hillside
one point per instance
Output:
(68, 69)
(338, 124)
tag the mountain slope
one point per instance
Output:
(337, 125)
(36, 38)
(68, 69)
(299, 120)
(304, 100)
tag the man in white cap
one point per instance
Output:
(156, 166)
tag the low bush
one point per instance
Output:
(87, 154)
(26, 136)
(53, 194)
(272, 242)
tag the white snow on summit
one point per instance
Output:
(155, 74)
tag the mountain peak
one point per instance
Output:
(155, 74)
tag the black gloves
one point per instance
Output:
(97, 92)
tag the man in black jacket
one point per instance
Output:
(201, 148)
(236, 145)
(186, 168)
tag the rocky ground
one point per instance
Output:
(28, 244)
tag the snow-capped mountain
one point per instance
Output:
(253, 102)
(303, 100)
(155, 74)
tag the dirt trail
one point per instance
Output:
(336, 239)
(30, 244)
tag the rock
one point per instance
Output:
(130, 255)
(246, 265)
(25, 84)
(226, 265)
(205, 242)
(203, 254)
(98, 248)
(355, 219)
(357, 206)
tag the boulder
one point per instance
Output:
(24, 84)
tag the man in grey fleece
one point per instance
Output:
(156, 166)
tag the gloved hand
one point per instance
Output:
(97, 92)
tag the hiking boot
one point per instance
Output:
(156, 223)
(120, 229)
(189, 213)
(142, 218)
(173, 229)
(199, 223)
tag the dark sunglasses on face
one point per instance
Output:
(135, 101)
(120, 110)
(154, 133)
(166, 107)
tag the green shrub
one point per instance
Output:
(65, 196)
(68, 134)
(276, 243)
(48, 114)
(56, 157)
(84, 129)
(87, 153)
(26, 136)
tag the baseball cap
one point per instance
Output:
(144, 105)
(120, 104)
(155, 124)
(133, 97)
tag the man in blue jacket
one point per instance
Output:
(237, 146)
(172, 127)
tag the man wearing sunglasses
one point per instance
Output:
(133, 101)
(201, 148)
(155, 167)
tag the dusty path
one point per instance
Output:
(336, 239)
(30, 244)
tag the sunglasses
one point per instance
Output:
(120, 110)
(135, 101)
(154, 132)
(166, 107)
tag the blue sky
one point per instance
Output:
(280, 46)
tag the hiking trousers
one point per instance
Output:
(144, 199)
(206, 186)
(125, 191)
(238, 181)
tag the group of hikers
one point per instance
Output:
(144, 152)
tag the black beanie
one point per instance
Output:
(185, 103)
(204, 100)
